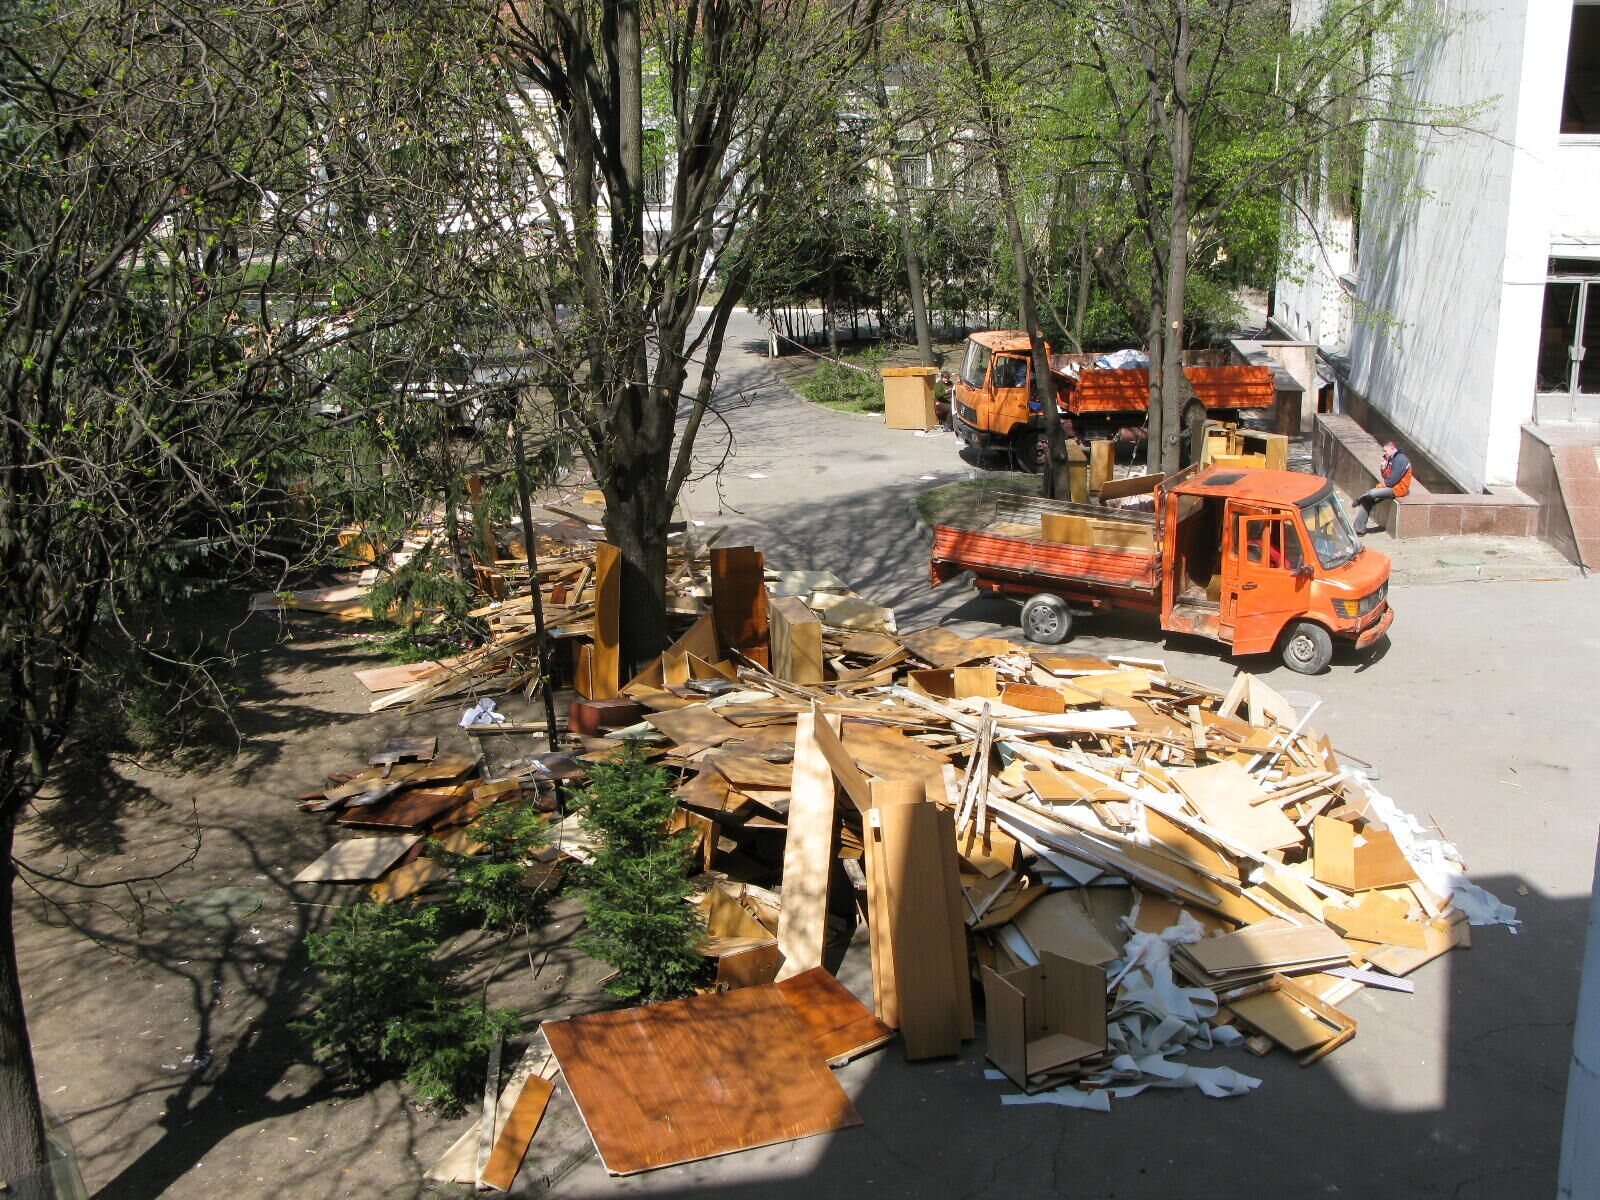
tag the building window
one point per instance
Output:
(914, 168)
(1580, 102)
(655, 167)
(1569, 329)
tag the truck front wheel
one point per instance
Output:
(1030, 449)
(1307, 648)
(1047, 620)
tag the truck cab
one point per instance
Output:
(1257, 560)
(1267, 559)
(993, 408)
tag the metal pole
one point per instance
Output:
(535, 596)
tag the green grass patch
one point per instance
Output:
(853, 384)
(970, 499)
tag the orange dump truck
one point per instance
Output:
(1261, 561)
(995, 407)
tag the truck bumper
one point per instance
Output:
(1369, 636)
(970, 435)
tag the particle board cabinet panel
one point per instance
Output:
(605, 679)
(918, 843)
(690, 1079)
(739, 602)
(796, 640)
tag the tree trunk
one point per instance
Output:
(24, 1161)
(908, 238)
(636, 520)
(1173, 382)
(1056, 483)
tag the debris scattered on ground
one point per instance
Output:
(1129, 867)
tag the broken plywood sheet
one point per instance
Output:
(1059, 924)
(391, 679)
(1224, 795)
(942, 648)
(691, 1079)
(839, 1025)
(694, 728)
(357, 860)
(1377, 919)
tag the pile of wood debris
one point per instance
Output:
(1128, 867)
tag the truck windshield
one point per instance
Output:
(1329, 528)
(976, 365)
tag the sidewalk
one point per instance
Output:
(1471, 558)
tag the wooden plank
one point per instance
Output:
(739, 602)
(1267, 944)
(918, 842)
(807, 853)
(690, 1079)
(839, 1025)
(796, 634)
(843, 765)
(605, 679)
(1333, 852)
(885, 997)
(512, 1145)
(357, 860)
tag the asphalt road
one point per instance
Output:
(1479, 716)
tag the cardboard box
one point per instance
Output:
(1044, 1018)
(908, 398)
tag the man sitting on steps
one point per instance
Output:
(1396, 483)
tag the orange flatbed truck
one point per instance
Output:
(995, 408)
(1257, 560)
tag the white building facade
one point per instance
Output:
(1463, 291)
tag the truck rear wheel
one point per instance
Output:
(1046, 619)
(1307, 648)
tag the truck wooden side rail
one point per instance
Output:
(1006, 551)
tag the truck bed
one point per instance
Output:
(1218, 388)
(1006, 546)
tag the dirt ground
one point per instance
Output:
(164, 1043)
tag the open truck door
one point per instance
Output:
(1265, 578)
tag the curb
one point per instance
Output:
(1486, 573)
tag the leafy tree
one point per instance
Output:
(636, 887)
(386, 1006)
(210, 216)
(492, 885)
(625, 308)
